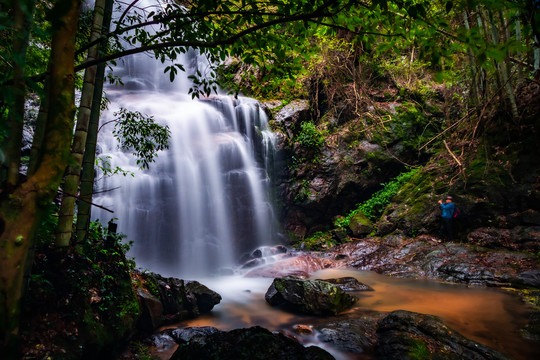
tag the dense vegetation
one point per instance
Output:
(449, 81)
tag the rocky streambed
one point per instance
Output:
(408, 315)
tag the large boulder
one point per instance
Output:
(151, 311)
(360, 225)
(255, 343)
(289, 117)
(407, 335)
(316, 297)
(167, 300)
(354, 336)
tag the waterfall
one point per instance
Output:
(206, 200)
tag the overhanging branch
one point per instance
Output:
(208, 44)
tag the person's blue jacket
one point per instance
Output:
(447, 210)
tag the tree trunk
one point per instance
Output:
(27, 201)
(475, 91)
(71, 182)
(501, 66)
(22, 17)
(87, 174)
(536, 54)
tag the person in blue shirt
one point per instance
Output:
(447, 213)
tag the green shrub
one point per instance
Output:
(82, 293)
(374, 206)
(310, 137)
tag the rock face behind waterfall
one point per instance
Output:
(317, 297)
(167, 300)
(317, 185)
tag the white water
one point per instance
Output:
(206, 200)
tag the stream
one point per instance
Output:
(489, 316)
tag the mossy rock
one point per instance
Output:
(408, 335)
(243, 344)
(316, 297)
(360, 225)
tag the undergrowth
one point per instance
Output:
(80, 300)
(374, 206)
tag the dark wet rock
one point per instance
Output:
(192, 334)
(349, 283)
(204, 298)
(247, 344)
(151, 311)
(300, 266)
(253, 263)
(530, 278)
(278, 249)
(531, 217)
(291, 115)
(385, 227)
(315, 297)
(516, 238)
(407, 335)
(178, 299)
(352, 335)
(425, 257)
(161, 342)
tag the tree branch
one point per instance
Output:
(319, 12)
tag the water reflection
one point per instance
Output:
(488, 316)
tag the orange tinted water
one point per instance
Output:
(491, 317)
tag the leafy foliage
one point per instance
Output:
(104, 164)
(141, 134)
(309, 136)
(86, 300)
(373, 207)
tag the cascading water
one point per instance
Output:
(206, 200)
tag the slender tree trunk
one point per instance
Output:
(536, 54)
(475, 91)
(482, 86)
(87, 174)
(71, 181)
(22, 17)
(519, 40)
(501, 66)
(20, 212)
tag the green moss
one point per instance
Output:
(319, 241)
(418, 350)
